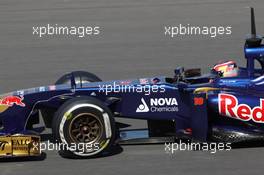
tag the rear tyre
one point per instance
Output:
(84, 127)
(80, 77)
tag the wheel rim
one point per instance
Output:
(86, 128)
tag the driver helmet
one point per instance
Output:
(227, 68)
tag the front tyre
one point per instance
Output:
(80, 77)
(84, 127)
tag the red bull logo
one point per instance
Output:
(11, 100)
(228, 106)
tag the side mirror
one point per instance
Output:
(179, 71)
(178, 74)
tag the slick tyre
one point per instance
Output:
(80, 77)
(84, 128)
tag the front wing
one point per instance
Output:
(19, 146)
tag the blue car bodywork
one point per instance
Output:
(205, 108)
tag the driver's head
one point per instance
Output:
(227, 68)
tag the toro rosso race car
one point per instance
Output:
(226, 105)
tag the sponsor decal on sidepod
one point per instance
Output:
(228, 106)
(158, 105)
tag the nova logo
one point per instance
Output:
(158, 105)
(143, 107)
(3, 144)
(163, 101)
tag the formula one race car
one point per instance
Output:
(226, 105)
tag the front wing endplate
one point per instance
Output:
(19, 146)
